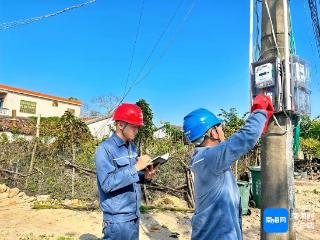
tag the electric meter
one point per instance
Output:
(265, 75)
(266, 79)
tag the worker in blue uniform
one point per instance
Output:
(119, 172)
(217, 199)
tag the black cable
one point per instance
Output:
(258, 49)
(154, 48)
(315, 22)
(4, 26)
(165, 49)
(134, 45)
(160, 38)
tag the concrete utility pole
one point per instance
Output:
(277, 187)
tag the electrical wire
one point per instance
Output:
(162, 34)
(159, 39)
(277, 123)
(134, 45)
(165, 49)
(257, 46)
(312, 45)
(315, 22)
(292, 41)
(277, 47)
(282, 72)
(178, 29)
(5, 26)
(272, 28)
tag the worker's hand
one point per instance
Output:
(150, 171)
(263, 102)
(142, 162)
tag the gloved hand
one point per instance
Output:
(263, 102)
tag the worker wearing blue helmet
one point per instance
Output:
(217, 199)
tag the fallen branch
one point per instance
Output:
(164, 188)
(79, 168)
(177, 188)
(184, 164)
(88, 207)
(15, 173)
(145, 209)
(39, 170)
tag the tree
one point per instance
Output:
(72, 134)
(310, 136)
(314, 130)
(145, 132)
(73, 98)
(305, 124)
(174, 132)
(232, 121)
(107, 103)
(310, 147)
(145, 135)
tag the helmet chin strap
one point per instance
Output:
(122, 131)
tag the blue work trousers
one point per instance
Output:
(121, 231)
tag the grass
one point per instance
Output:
(33, 237)
(65, 238)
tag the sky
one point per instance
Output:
(201, 60)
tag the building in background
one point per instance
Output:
(27, 103)
(100, 127)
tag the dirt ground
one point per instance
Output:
(20, 221)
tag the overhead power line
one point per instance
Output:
(134, 45)
(141, 77)
(315, 22)
(4, 26)
(162, 34)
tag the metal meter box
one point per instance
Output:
(266, 79)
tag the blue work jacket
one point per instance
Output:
(118, 180)
(217, 199)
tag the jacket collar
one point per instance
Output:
(118, 140)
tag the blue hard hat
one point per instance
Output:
(198, 122)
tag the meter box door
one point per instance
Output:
(300, 74)
(300, 78)
(302, 101)
(266, 79)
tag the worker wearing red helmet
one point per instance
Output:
(119, 172)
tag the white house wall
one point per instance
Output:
(160, 133)
(12, 137)
(101, 129)
(44, 106)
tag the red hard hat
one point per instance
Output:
(130, 113)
